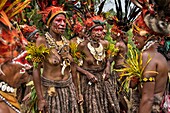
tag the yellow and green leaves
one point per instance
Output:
(132, 68)
(36, 54)
(111, 50)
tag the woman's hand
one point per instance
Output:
(106, 73)
(42, 105)
(80, 99)
(91, 77)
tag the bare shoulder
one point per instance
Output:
(40, 40)
(161, 60)
(158, 61)
(83, 44)
(105, 43)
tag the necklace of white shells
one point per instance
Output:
(98, 53)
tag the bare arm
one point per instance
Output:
(37, 82)
(89, 75)
(148, 87)
(74, 75)
(147, 97)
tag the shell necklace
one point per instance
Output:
(148, 45)
(59, 46)
(98, 53)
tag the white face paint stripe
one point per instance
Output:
(18, 57)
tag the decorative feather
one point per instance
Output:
(12, 5)
(126, 17)
(101, 7)
(4, 19)
(19, 8)
(2, 3)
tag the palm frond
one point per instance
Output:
(133, 67)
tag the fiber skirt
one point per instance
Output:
(60, 95)
(99, 97)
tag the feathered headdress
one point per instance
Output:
(50, 12)
(93, 22)
(140, 27)
(28, 31)
(9, 9)
(78, 27)
(154, 16)
(122, 20)
(12, 41)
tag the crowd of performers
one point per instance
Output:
(85, 73)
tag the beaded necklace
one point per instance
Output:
(52, 43)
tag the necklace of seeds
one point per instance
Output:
(52, 43)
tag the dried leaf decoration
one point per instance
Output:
(132, 68)
(36, 54)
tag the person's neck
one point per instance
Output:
(118, 39)
(153, 47)
(94, 43)
(56, 36)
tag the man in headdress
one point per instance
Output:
(155, 73)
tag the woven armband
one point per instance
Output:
(148, 79)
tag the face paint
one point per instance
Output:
(97, 33)
(58, 24)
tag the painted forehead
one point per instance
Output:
(98, 28)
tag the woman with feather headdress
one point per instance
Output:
(55, 88)
(96, 86)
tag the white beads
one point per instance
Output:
(5, 87)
